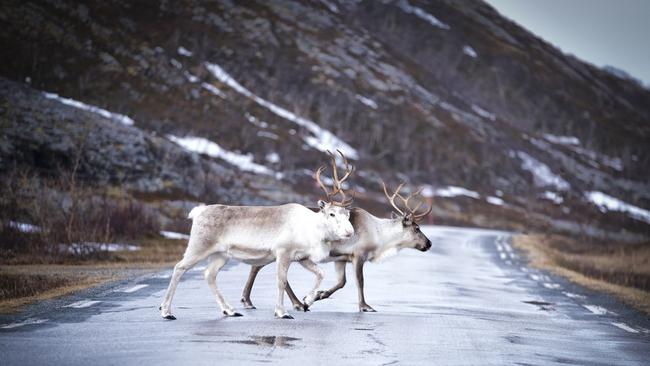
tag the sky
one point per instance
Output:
(602, 32)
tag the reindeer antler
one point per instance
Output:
(413, 214)
(337, 184)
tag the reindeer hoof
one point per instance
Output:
(169, 317)
(287, 316)
(247, 304)
(233, 314)
(305, 308)
(367, 309)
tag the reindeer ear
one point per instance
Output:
(321, 204)
(393, 215)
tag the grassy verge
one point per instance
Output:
(620, 270)
(23, 284)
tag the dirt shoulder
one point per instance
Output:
(23, 284)
(617, 269)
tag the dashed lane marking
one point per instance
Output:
(82, 304)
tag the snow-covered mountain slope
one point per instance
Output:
(440, 93)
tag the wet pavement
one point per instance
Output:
(470, 300)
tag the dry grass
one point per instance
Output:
(620, 270)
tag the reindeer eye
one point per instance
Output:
(332, 214)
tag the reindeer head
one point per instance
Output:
(406, 223)
(336, 213)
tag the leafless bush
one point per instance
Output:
(68, 218)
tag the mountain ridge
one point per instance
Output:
(440, 94)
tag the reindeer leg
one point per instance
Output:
(189, 260)
(246, 294)
(313, 268)
(210, 274)
(340, 273)
(297, 304)
(358, 270)
(283, 262)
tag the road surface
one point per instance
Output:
(470, 300)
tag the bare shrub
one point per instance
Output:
(70, 218)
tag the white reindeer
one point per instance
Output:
(374, 239)
(259, 235)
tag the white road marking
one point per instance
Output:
(625, 327)
(598, 310)
(134, 288)
(163, 275)
(198, 269)
(574, 296)
(535, 277)
(28, 321)
(82, 304)
(553, 286)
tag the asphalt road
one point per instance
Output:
(469, 301)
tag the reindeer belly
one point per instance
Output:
(250, 255)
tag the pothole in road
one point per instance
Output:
(268, 341)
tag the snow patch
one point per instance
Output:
(174, 235)
(24, 227)
(273, 158)
(103, 247)
(268, 135)
(494, 200)
(420, 13)
(367, 101)
(184, 52)
(554, 197)
(483, 113)
(562, 140)
(254, 120)
(542, 174)
(115, 117)
(608, 203)
(213, 89)
(454, 191)
(331, 6)
(176, 63)
(321, 139)
(190, 77)
(469, 51)
(210, 148)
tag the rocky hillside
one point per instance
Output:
(237, 101)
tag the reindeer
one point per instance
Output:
(375, 239)
(259, 235)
